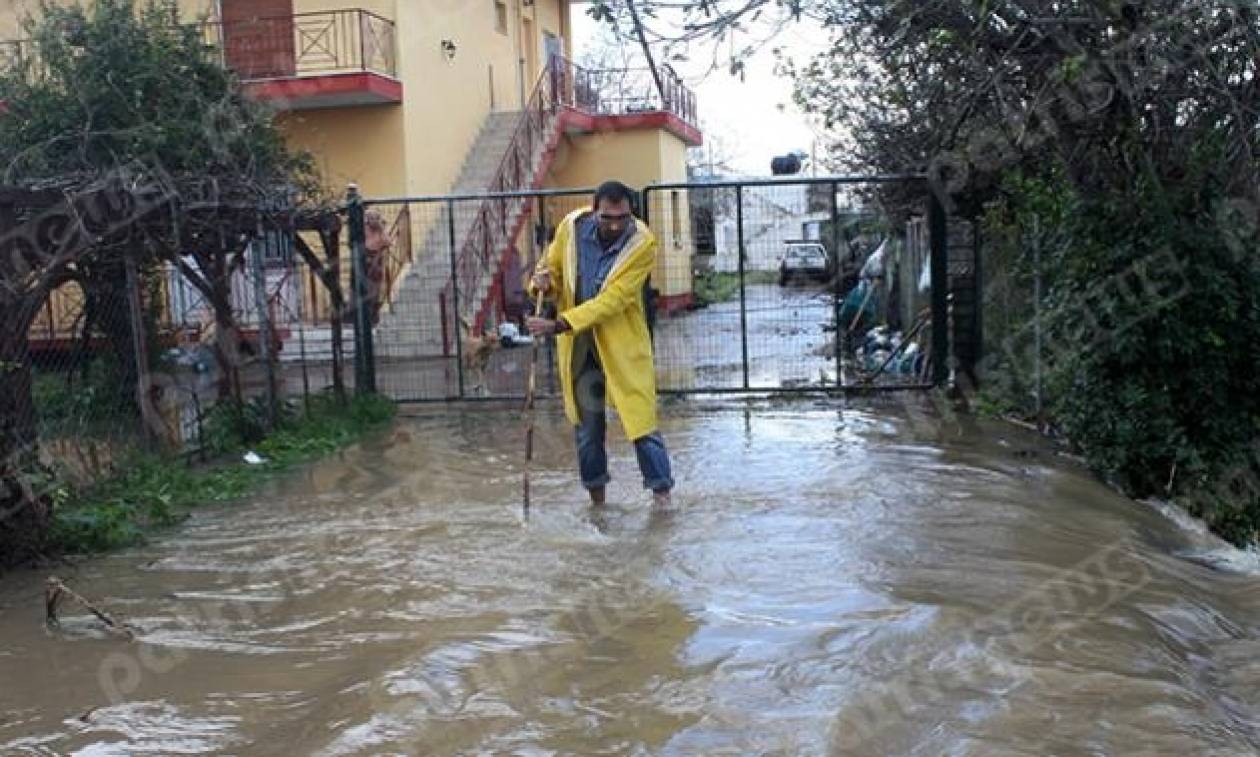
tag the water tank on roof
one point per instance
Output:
(785, 165)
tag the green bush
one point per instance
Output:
(152, 491)
(714, 287)
(74, 402)
(1150, 313)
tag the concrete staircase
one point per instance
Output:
(316, 343)
(412, 325)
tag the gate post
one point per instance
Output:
(457, 322)
(837, 281)
(938, 230)
(743, 289)
(364, 354)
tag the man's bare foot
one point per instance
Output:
(597, 496)
(661, 500)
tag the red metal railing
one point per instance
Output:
(627, 91)
(561, 84)
(498, 220)
(398, 253)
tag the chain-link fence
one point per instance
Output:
(133, 355)
(1019, 281)
(794, 285)
(758, 286)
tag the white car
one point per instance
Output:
(804, 261)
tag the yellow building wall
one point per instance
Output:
(14, 12)
(364, 145)
(674, 266)
(638, 158)
(446, 102)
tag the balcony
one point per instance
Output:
(626, 98)
(324, 59)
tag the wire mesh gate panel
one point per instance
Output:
(449, 302)
(759, 286)
(802, 284)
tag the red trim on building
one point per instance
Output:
(673, 304)
(327, 91)
(589, 122)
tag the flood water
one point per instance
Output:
(857, 580)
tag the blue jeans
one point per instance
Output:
(592, 457)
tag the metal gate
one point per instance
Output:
(741, 302)
(801, 284)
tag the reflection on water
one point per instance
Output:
(843, 581)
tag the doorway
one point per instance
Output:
(258, 38)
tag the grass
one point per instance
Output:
(90, 403)
(152, 491)
(712, 288)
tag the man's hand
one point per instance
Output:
(542, 281)
(544, 326)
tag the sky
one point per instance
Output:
(749, 121)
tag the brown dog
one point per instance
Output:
(477, 350)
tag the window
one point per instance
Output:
(500, 16)
(675, 209)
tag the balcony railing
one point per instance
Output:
(306, 44)
(629, 91)
(561, 84)
(300, 45)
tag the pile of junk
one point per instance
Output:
(874, 315)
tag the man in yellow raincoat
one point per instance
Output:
(595, 270)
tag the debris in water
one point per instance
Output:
(55, 591)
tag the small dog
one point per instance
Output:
(477, 350)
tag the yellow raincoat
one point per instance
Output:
(618, 321)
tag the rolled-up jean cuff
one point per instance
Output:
(597, 483)
(659, 484)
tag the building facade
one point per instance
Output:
(408, 98)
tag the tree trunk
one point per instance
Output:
(113, 317)
(227, 337)
(329, 274)
(641, 33)
(25, 511)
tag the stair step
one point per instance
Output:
(416, 301)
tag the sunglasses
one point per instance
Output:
(615, 218)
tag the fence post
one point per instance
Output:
(837, 283)
(1037, 376)
(458, 321)
(259, 275)
(743, 288)
(938, 230)
(364, 354)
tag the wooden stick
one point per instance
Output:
(55, 590)
(529, 403)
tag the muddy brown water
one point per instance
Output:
(847, 581)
